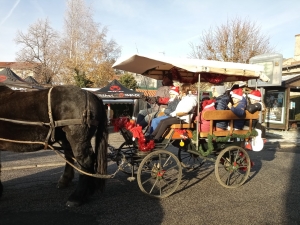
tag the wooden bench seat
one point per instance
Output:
(184, 126)
(216, 115)
(171, 134)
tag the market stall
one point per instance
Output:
(116, 93)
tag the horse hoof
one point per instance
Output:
(73, 204)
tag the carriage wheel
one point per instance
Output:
(159, 174)
(130, 166)
(127, 165)
(232, 167)
(188, 160)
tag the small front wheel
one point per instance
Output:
(232, 167)
(159, 174)
(189, 160)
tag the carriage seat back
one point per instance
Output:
(172, 134)
(216, 115)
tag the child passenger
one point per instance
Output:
(254, 106)
(238, 107)
(206, 105)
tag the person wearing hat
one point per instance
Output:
(185, 106)
(206, 105)
(222, 104)
(154, 104)
(238, 107)
(173, 102)
(256, 104)
(205, 96)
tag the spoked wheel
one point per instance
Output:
(188, 160)
(159, 174)
(127, 165)
(232, 167)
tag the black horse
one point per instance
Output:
(68, 115)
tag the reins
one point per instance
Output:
(61, 155)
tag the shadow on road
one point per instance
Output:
(31, 194)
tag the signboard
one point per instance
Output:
(275, 106)
(273, 69)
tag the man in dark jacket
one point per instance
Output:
(238, 107)
(222, 104)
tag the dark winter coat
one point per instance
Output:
(239, 111)
(252, 108)
(221, 104)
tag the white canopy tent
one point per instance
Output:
(187, 70)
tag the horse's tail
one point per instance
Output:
(101, 144)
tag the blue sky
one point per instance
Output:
(156, 26)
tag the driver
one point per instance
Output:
(158, 102)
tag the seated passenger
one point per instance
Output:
(254, 106)
(173, 102)
(160, 101)
(206, 105)
(186, 106)
(222, 104)
(238, 107)
(255, 102)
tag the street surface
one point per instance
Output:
(270, 196)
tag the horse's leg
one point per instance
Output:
(79, 138)
(68, 174)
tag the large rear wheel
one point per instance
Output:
(232, 167)
(159, 174)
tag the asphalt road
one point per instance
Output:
(270, 196)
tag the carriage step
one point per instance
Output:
(131, 179)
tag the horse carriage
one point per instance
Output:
(70, 117)
(159, 171)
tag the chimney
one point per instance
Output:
(297, 47)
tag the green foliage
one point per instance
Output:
(81, 80)
(213, 138)
(128, 81)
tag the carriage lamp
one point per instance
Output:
(181, 143)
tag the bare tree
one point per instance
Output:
(85, 46)
(236, 41)
(39, 45)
